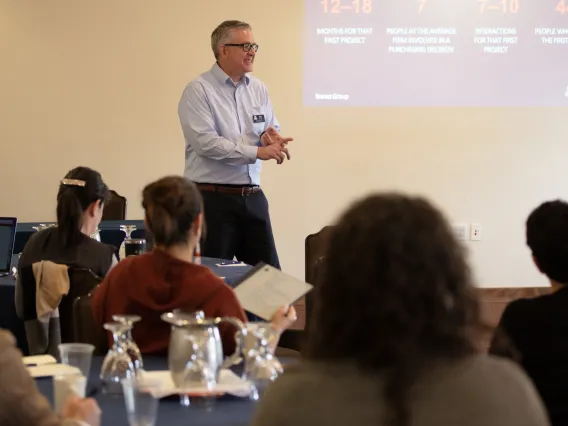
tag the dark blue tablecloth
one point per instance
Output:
(227, 410)
(10, 321)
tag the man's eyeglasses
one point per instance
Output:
(246, 46)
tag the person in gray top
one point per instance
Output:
(392, 339)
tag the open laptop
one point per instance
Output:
(7, 237)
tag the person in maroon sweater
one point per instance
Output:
(166, 278)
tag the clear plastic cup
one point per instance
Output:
(141, 398)
(66, 385)
(77, 355)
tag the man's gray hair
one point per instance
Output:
(221, 33)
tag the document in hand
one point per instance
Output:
(264, 289)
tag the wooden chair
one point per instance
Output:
(315, 246)
(60, 329)
(20, 240)
(115, 209)
(82, 282)
(85, 329)
(113, 237)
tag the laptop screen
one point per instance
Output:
(7, 235)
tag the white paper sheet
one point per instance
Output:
(50, 370)
(229, 383)
(230, 264)
(268, 289)
(39, 360)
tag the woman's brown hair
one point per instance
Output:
(395, 293)
(171, 206)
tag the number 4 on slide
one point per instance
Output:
(562, 7)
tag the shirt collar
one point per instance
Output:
(223, 77)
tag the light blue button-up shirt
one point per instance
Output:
(222, 122)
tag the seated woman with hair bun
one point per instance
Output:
(167, 278)
(80, 203)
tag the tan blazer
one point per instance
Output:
(21, 404)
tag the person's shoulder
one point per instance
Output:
(490, 365)
(35, 247)
(525, 309)
(98, 245)
(479, 389)
(307, 383)
(199, 83)
(214, 289)
(487, 377)
(527, 303)
(311, 395)
(208, 278)
(508, 380)
(39, 237)
(298, 378)
(98, 249)
(311, 375)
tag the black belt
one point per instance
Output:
(238, 190)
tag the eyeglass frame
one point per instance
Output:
(252, 46)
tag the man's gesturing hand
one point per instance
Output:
(274, 151)
(271, 136)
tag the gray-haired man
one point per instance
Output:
(229, 128)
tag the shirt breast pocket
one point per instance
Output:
(258, 120)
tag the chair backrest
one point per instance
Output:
(315, 248)
(27, 291)
(21, 240)
(113, 237)
(81, 282)
(115, 209)
(86, 330)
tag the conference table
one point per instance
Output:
(10, 321)
(226, 410)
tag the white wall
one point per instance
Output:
(97, 83)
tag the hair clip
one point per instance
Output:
(73, 182)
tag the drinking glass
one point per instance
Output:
(117, 364)
(261, 366)
(128, 342)
(134, 247)
(141, 400)
(199, 380)
(64, 386)
(128, 230)
(77, 355)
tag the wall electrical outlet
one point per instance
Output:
(460, 231)
(475, 232)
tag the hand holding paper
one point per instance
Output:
(283, 318)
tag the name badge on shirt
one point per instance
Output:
(258, 118)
